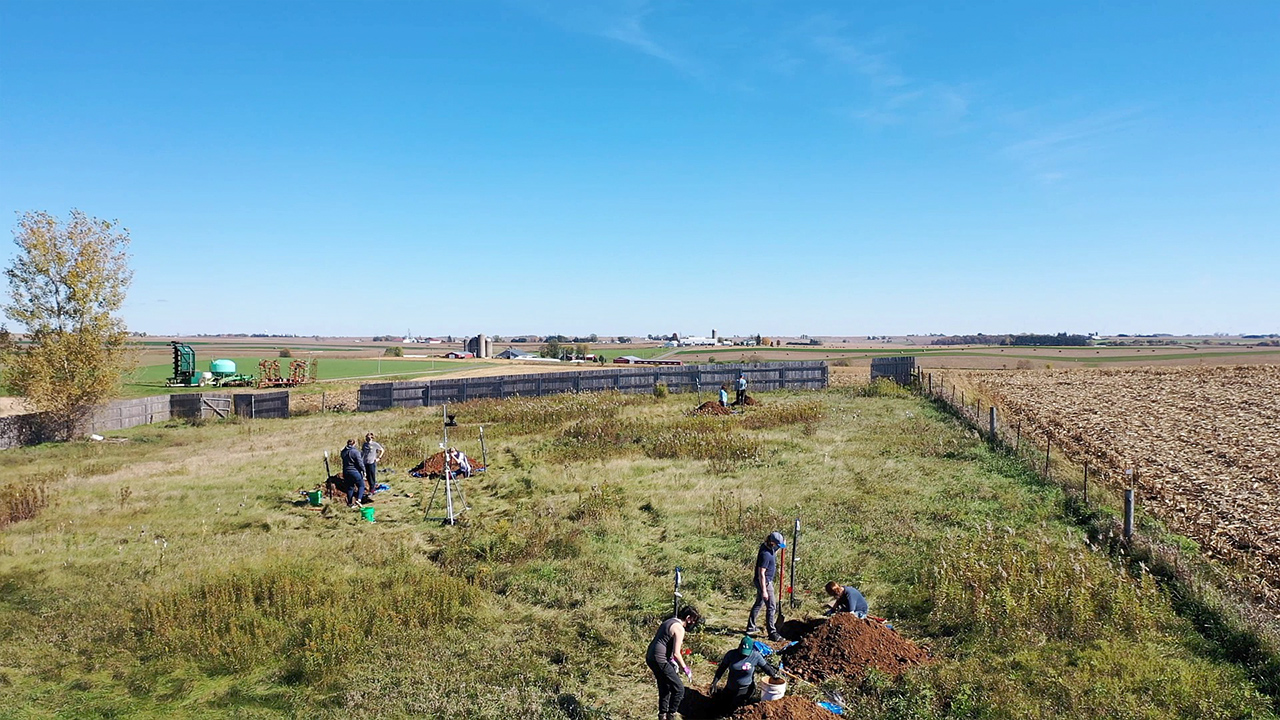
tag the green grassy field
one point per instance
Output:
(177, 574)
(150, 379)
(613, 351)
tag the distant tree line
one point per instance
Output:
(1009, 340)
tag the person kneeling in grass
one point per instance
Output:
(741, 664)
(848, 599)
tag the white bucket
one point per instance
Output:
(774, 688)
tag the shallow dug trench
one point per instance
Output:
(845, 646)
(787, 708)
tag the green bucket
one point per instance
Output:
(367, 512)
(313, 498)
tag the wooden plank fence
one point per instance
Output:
(761, 377)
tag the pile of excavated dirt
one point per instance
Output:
(434, 465)
(846, 646)
(711, 407)
(787, 708)
(750, 401)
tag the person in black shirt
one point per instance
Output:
(353, 473)
(666, 661)
(762, 576)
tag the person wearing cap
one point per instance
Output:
(666, 661)
(353, 473)
(741, 664)
(762, 576)
(740, 387)
(371, 452)
(848, 599)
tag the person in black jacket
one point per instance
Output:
(353, 473)
(741, 664)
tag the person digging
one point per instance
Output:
(666, 661)
(848, 599)
(762, 576)
(740, 688)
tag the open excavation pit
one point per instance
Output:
(787, 708)
(845, 646)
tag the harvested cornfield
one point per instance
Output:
(1205, 443)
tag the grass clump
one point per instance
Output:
(303, 618)
(24, 498)
(1026, 590)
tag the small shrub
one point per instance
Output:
(747, 518)
(286, 353)
(394, 351)
(24, 499)
(660, 390)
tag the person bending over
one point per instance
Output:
(741, 664)
(848, 599)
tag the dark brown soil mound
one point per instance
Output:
(434, 465)
(750, 401)
(846, 646)
(711, 407)
(787, 708)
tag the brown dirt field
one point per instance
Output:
(1204, 442)
(845, 646)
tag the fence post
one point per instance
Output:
(1048, 441)
(1086, 484)
(930, 384)
(322, 403)
(992, 413)
(1128, 512)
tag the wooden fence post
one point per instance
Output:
(1048, 441)
(1086, 484)
(992, 424)
(1017, 436)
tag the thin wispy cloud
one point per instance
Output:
(891, 96)
(622, 21)
(1050, 151)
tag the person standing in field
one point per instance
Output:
(666, 661)
(371, 453)
(740, 385)
(848, 599)
(762, 576)
(353, 473)
(724, 395)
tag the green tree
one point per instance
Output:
(550, 349)
(66, 283)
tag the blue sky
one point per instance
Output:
(634, 167)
